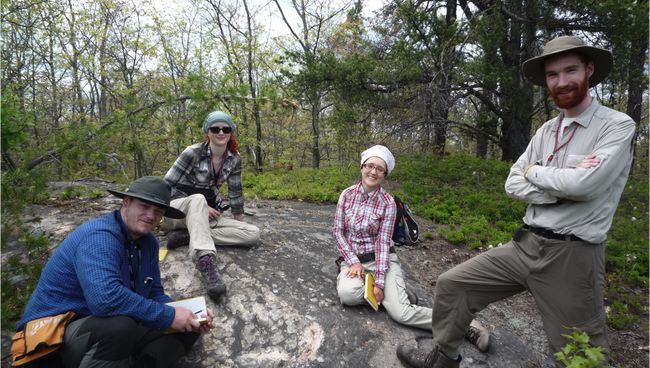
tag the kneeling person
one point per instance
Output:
(107, 272)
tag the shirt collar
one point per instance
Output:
(372, 194)
(583, 119)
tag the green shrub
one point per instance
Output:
(619, 316)
(578, 353)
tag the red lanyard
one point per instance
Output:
(557, 133)
(223, 159)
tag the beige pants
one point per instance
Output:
(395, 300)
(205, 234)
(565, 277)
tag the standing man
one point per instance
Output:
(107, 273)
(572, 174)
(196, 176)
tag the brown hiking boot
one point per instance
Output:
(416, 358)
(211, 278)
(178, 238)
(479, 336)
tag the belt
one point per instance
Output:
(367, 257)
(548, 234)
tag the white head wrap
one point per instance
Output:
(382, 152)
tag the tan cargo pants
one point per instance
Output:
(395, 301)
(565, 277)
(204, 234)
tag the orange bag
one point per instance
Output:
(40, 338)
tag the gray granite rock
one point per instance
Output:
(282, 310)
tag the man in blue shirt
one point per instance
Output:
(107, 272)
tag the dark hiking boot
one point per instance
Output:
(178, 238)
(211, 278)
(479, 336)
(413, 297)
(416, 358)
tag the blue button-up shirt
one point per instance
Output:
(89, 274)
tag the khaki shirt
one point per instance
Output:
(570, 200)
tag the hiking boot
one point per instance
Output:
(211, 277)
(479, 336)
(416, 358)
(178, 238)
(413, 297)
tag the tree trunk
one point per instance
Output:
(315, 116)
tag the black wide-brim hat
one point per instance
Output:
(603, 60)
(153, 190)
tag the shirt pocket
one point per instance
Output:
(374, 224)
(574, 160)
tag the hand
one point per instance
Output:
(357, 269)
(185, 320)
(208, 326)
(589, 162)
(213, 214)
(379, 295)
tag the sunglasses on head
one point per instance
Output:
(216, 130)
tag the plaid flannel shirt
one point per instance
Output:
(194, 168)
(363, 224)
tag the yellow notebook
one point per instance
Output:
(369, 293)
(196, 305)
(162, 254)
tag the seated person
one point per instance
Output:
(107, 272)
(363, 230)
(196, 177)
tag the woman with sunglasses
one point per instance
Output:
(196, 177)
(363, 229)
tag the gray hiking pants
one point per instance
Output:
(120, 342)
(565, 277)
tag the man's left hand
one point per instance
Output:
(208, 326)
(589, 162)
(379, 295)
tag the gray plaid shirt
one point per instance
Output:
(193, 168)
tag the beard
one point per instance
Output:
(579, 92)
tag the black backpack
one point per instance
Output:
(406, 230)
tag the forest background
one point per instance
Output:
(117, 89)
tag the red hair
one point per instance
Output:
(232, 146)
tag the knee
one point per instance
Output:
(254, 234)
(117, 329)
(113, 336)
(443, 283)
(249, 234)
(349, 296)
(346, 297)
(197, 200)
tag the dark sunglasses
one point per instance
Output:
(216, 130)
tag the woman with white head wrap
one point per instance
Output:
(363, 229)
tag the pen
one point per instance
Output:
(356, 273)
(198, 311)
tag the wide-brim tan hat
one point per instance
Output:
(534, 68)
(153, 190)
